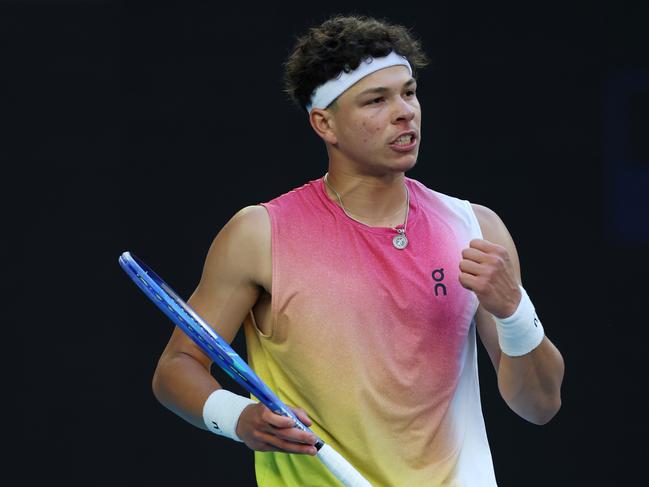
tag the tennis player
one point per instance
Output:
(361, 293)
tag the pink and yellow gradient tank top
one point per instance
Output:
(377, 344)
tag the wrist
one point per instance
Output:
(521, 332)
(221, 412)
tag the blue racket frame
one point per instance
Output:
(215, 347)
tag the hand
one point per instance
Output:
(262, 430)
(487, 270)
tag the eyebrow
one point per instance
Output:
(382, 89)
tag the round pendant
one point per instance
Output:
(400, 241)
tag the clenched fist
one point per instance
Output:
(487, 270)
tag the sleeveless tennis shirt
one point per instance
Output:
(377, 344)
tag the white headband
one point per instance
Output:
(324, 94)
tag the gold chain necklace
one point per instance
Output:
(400, 241)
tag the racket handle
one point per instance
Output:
(337, 465)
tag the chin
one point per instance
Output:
(406, 165)
(401, 165)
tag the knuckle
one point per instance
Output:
(267, 417)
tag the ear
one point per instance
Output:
(323, 123)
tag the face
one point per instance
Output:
(376, 123)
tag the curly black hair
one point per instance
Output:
(340, 44)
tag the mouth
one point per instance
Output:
(406, 142)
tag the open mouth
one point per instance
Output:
(404, 142)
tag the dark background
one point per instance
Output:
(145, 128)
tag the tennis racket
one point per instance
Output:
(225, 357)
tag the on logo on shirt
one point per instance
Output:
(438, 277)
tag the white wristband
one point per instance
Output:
(221, 412)
(521, 332)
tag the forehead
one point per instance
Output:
(392, 78)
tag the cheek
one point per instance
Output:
(368, 131)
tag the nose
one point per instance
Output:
(404, 111)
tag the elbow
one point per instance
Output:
(155, 385)
(544, 412)
(158, 382)
(536, 407)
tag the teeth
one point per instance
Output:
(404, 139)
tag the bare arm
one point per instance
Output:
(225, 294)
(230, 285)
(529, 384)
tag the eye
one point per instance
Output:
(411, 93)
(375, 101)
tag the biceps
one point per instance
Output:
(224, 305)
(227, 289)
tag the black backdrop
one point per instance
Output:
(144, 128)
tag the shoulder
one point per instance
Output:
(494, 230)
(299, 202)
(442, 203)
(250, 218)
(248, 229)
(491, 225)
(243, 244)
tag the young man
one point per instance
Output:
(361, 293)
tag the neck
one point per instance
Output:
(373, 200)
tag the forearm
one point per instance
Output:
(182, 384)
(531, 384)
